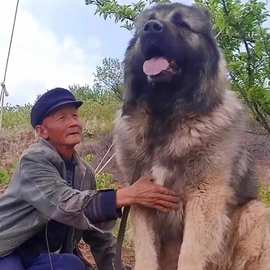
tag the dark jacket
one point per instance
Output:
(38, 193)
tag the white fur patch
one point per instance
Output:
(145, 250)
(159, 173)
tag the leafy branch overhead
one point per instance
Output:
(246, 45)
(125, 14)
(242, 35)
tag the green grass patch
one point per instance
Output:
(89, 158)
(15, 117)
(4, 177)
(105, 181)
(264, 194)
(98, 118)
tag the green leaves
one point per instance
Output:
(246, 46)
(109, 77)
(124, 14)
(4, 177)
(105, 181)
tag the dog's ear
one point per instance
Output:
(204, 11)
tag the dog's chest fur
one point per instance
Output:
(178, 153)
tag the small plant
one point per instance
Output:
(89, 158)
(264, 194)
(4, 177)
(105, 181)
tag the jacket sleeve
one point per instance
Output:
(102, 246)
(43, 187)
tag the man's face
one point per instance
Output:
(62, 128)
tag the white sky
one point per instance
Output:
(56, 43)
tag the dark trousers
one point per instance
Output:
(42, 262)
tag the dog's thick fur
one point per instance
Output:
(185, 128)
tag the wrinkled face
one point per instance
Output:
(171, 42)
(62, 128)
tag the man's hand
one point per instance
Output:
(146, 193)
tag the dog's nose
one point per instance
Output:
(153, 26)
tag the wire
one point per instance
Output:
(103, 158)
(107, 162)
(3, 89)
(11, 39)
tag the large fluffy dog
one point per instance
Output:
(180, 123)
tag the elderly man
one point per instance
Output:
(52, 202)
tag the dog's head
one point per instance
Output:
(173, 56)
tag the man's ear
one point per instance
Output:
(42, 131)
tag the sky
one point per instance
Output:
(56, 43)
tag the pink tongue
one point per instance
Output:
(154, 66)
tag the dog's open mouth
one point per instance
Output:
(160, 68)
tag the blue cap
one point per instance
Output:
(51, 101)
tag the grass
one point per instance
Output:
(105, 181)
(16, 116)
(4, 177)
(264, 194)
(97, 117)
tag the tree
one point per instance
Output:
(108, 83)
(109, 77)
(240, 31)
(246, 46)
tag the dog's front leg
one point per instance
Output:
(144, 240)
(205, 225)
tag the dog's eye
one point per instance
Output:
(178, 21)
